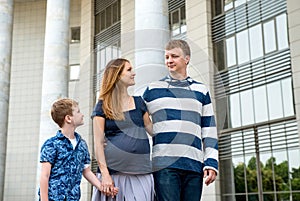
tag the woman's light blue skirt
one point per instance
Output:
(131, 188)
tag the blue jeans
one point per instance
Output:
(177, 185)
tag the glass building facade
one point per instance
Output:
(258, 138)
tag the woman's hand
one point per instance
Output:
(108, 186)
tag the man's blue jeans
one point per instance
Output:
(177, 185)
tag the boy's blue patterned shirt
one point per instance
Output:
(67, 165)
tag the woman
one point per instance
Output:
(121, 121)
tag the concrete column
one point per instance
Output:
(149, 36)
(293, 14)
(6, 24)
(56, 60)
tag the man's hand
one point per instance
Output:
(210, 176)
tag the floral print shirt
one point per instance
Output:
(67, 166)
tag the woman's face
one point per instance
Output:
(127, 75)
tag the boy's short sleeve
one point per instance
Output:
(98, 111)
(87, 159)
(48, 152)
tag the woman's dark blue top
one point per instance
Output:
(128, 148)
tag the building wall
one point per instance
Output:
(293, 10)
(25, 101)
(22, 162)
(84, 93)
(201, 67)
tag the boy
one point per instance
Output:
(65, 157)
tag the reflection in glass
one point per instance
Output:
(227, 176)
(242, 41)
(74, 72)
(102, 60)
(247, 107)
(231, 52)
(175, 23)
(281, 167)
(228, 4)
(239, 2)
(234, 110)
(282, 36)
(275, 100)
(97, 24)
(296, 195)
(260, 104)
(294, 160)
(251, 174)
(287, 94)
(102, 21)
(269, 36)
(108, 16)
(183, 20)
(294, 169)
(239, 177)
(219, 55)
(256, 44)
(108, 54)
(116, 16)
(221, 109)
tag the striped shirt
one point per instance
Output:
(185, 134)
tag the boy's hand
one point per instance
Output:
(112, 191)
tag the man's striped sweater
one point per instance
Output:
(185, 134)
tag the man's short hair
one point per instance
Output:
(178, 43)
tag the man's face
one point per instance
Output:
(176, 61)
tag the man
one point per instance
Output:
(185, 147)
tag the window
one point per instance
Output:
(282, 34)
(107, 17)
(261, 104)
(269, 36)
(256, 42)
(103, 55)
(74, 72)
(231, 51)
(75, 34)
(229, 4)
(262, 158)
(178, 21)
(242, 41)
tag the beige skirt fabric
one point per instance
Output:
(131, 188)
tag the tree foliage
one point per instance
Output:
(276, 178)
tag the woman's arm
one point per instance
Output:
(98, 129)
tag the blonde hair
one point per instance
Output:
(178, 43)
(110, 92)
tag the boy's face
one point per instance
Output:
(77, 117)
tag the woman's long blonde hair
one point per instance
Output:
(110, 91)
